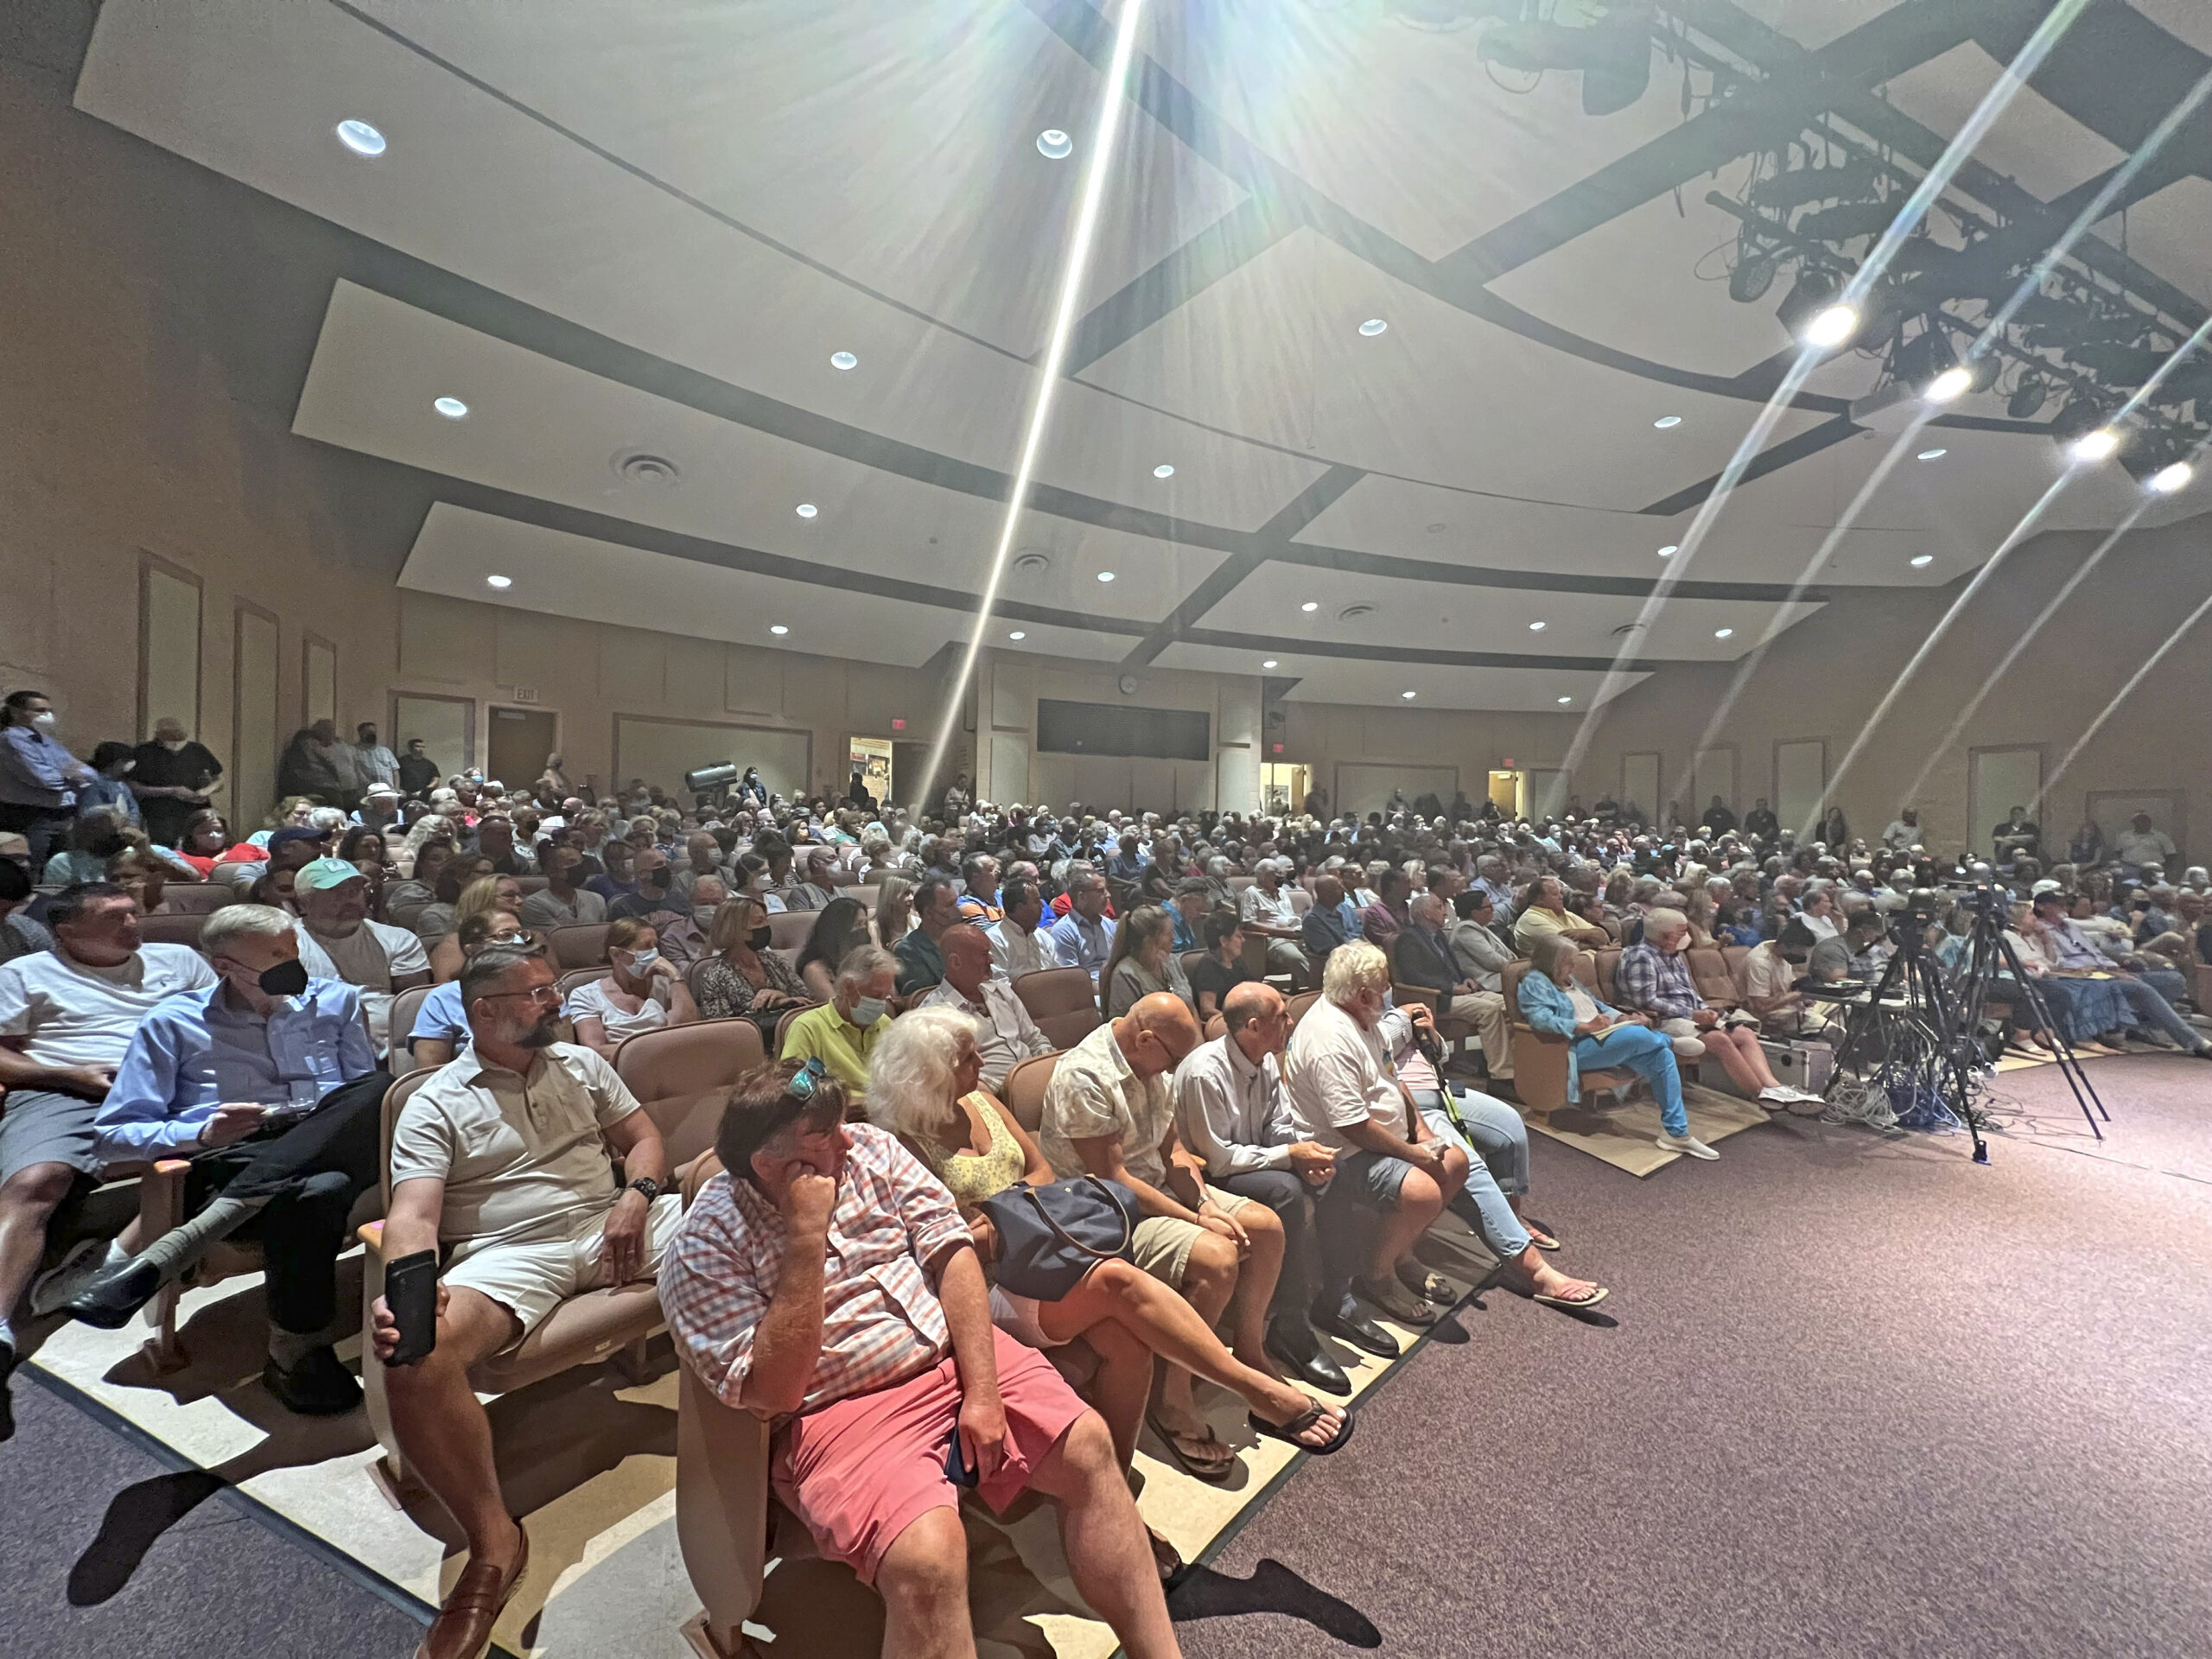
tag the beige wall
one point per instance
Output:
(1824, 677)
(1320, 734)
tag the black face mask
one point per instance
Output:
(759, 937)
(106, 846)
(660, 878)
(285, 979)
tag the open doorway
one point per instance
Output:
(1283, 789)
(1505, 793)
(521, 738)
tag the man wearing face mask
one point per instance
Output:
(843, 1031)
(267, 1083)
(174, 778)
(658, 903)
(339, 942)
(503, 1162)
(39, 778)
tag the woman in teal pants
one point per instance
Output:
(1553, 1001)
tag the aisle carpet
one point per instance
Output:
(1625, 1135)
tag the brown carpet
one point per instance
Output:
(1862, 1397)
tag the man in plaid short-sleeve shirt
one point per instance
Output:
(824, 1280)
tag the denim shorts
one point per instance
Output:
(1370, 1179)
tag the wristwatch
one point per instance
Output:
(646, 1184)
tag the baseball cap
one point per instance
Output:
(2046, 884)
(326, 872)
(292, 833)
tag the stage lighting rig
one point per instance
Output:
(1612, 51)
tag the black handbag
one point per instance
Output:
(1050, 1236)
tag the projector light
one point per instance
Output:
(2167, 479)
(2099, 445)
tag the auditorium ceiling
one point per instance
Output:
(747, 305)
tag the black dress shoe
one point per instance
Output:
(1302, 1356)
(1347, 1323)
(111, 1300)
(7, 1405)
(319, 1386)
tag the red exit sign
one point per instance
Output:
(898, 725)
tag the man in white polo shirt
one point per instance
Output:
(66, 1018)
(337, 941)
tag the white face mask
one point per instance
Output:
(47, 721)
(703, 916)
(641, 963)
(868, 1010)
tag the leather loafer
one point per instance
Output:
(110, 1300)
(319, 1386)
(1348, 1324)
(1312, 1366)
(462, 1629)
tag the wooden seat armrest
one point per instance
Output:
(161, 1196)
(371, 1233)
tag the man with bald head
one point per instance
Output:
(1109, 1111)
(1005, 1034)
(1231, 1110)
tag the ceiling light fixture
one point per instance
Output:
(1373, 327)
(1163, 471)
(2099, 445)
(1831, 326)
(452, 408)
(778, 628)
(1670, 550)
(1566, 699)
(1722, 633)
(1667, 423)
(1536, 628)
(360, 137)
(1105, 575)
(2167, 479)
(843, 360)
(1270, 662)
(1408, 696)
(1311, 605)
(1017, 634)
(1950, 386)
(1922, 561)
(807, 509)
(499, 581)
(1054, 145)
(1932, 455)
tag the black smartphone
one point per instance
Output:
(410, 1291)
(957, 1470)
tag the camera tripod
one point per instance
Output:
(1992, 953)
(1910, 1027)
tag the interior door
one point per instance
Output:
(2000, 779)
(520, 740)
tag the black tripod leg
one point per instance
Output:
(2069, 1064)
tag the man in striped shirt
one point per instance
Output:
(824, 1280)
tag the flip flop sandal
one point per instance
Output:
(1397, 1301)
(1197, 1468)
(1173, 1569)
(1297, 1426)
(1541, 1235)
(1598, 1293)
(1431, 1287)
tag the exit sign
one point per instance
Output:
(526, 694)
(898, 725)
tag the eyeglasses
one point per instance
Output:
(535, 994)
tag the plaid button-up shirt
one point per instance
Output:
(892, 1228)
(1658, 981)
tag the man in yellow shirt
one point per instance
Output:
(843, 1031)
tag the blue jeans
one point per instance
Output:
(1650, 1055)
(1481, 1203)
(2143, 996)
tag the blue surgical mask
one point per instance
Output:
(868, 1010)
(641, 963)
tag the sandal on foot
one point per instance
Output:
(1598, 1293)
(1298, 1425)
(1173, 1569)
(1541, 1235)
(1181, 1446)
(1432, 1288)
(1395, 1299)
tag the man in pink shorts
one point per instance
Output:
(825, 1280)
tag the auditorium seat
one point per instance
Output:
(404, 1008)
(1299, 1003)
(580, 945)
(682, 1076)
(1063, 1001)
(171, 930)
(1608, 967)
(1300, 900)
(788, 929)
(1539, 1058)
(577, 976)
(198, 898)
(1708, 968)
(1025, 1089)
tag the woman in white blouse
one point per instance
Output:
(643, 993)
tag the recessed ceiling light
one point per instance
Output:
(1932, 455)
(1408, 696)
(1666, 422)
(807, 509)
(1922, 561)
(2097, 445)
(1373, 327)
(452, 408)
(1163, 471)
(1832, 325)
(499, 581)
(1017, 634)
(1536, 628)
(778, 628)
(1670, 550)
(1566, 699)
(360, 137)
(1270, 662)
(2167, 479)
(1722, 633)
(1053, 144)
(843, 360)
(1949, 385)
(1439, 528)
(1105, 575)
(1311, 605)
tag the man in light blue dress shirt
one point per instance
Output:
(268, 1084)
(1084, 937)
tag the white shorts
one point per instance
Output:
(1017, 1317)
(531, 1280)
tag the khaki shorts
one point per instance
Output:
(1161, 1244)
(531, 1280)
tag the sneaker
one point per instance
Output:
(59, 1285)
(1778, 1095)
(319, 1386)
(1689, 1145)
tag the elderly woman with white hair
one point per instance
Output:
(1554, 1002)
(924, 1085)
